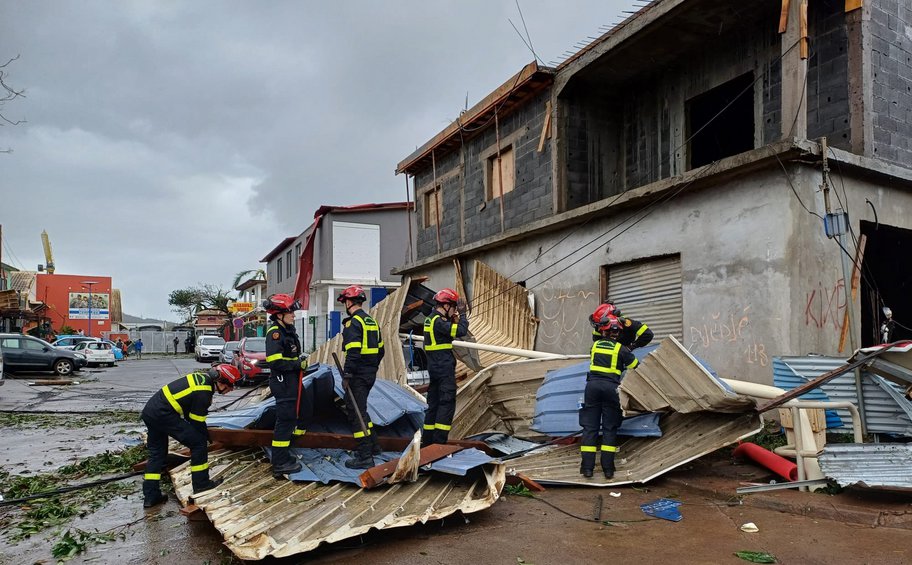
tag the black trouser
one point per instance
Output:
(441, 397)
(160, 427)
(601, 408)
(359, 387)
(284, 387)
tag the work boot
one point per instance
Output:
(206, 485)
(289, 468)
(360, 461)
(608, 464)
(586, 471)
(151, 500)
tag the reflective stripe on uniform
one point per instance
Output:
(152, 476)
(358, 435)
(613, 353)
(610, 448)
(198, 468)
(367, 325)
(633, 364)
(277, 356)
(642, 330)
(444, 427)
(430, 339)
(197, 418)
(278, 443)
(429, 426)
(194, 384)
(298, 432)
(587, 448)
(370, 424)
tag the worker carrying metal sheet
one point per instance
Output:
(633, 333)
(283, 350)
(363, 346)
(447, 322)
(601, 408)
(179, 410)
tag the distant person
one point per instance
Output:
(179, 410)
(188, 344)
(137, 346)
(81, 332)
(175, 341)
(120, 345)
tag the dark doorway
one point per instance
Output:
(730, 133)
(887, 281)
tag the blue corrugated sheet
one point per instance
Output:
(785, 377)
(327, 465)
(461, 462)
(557, 405)
(502, 443)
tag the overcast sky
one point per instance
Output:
(173, 143)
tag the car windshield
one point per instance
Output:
(212, 341)
(231, 346)
(256, 344)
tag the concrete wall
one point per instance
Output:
(273, 286)
(466, 215)
(891, 60)
(394, 240)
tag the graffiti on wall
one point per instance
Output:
(729, 332)
(825, 306)
(564, 314)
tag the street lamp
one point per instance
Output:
(90, 284)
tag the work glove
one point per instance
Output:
(303, 361)
(461, 305)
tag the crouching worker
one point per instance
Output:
(602, 406)
(179, 410)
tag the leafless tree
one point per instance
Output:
(8, 94)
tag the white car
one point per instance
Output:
(208, 347)
(71, 341)
(96, 352)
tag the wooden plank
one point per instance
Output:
(784, 16)
(811, 385)
(803, 28)
(852, 5)
(375, 475)
(315, 440)
(856, 281)
(546, 127)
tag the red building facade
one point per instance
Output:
(67, 298)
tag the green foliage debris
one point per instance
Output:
(518, 490)
(41, 420)
(76, 541)
(756, 556)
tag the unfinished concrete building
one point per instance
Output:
(675, 166)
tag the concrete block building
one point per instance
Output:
(682, 165)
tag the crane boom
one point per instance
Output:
(48, 256)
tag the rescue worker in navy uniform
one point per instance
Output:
(633, 333)
(283, 350)
(608, 359)
(179, 410)
(363, 346)
(446, 323)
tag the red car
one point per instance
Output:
(251, 360)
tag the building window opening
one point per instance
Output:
(432, 211)
(279, 268)
(886, 283)
(501, 174)
(715, 135)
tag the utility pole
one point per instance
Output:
(836, 225)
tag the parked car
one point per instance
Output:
(118, 352)
(228, 352)
(97, 352)
(70, 341)
(27, 353)
(208, 347)
(251, 360)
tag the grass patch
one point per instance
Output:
(21, 420)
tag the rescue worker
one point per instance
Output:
(363, 346)
(282, 354)
(633, 333)
(447, 322)
(608, 359)
(179, 410)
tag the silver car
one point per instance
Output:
(228, 352)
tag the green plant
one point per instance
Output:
(76, 541)
(756, 556)
(66, 330)
(770, 437)
(518, 489)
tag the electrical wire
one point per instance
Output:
(70, 488)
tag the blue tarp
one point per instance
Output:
(461, 462)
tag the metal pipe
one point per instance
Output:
(799, 458)
(495, 348)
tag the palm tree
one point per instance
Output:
(259, 274)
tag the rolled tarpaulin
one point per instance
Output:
(775, 463)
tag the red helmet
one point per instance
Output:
(228, 374)
(609, 324)
(606, 309)
(280, 303)
(354, 293)
(446, 296)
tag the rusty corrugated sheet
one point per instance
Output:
(670, 378)
(387, 312)
(500, 315)
(259, 516)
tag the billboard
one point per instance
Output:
(79, 305)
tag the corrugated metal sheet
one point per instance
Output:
(650, 291)
(501, 315)
(883, 412)
(504, 444)
(328, 465)
(786, 378)
(461, 462)
(871, 464)
(671, 378)
(685, 437)
(259, 516)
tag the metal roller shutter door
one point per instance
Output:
(650, 291)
